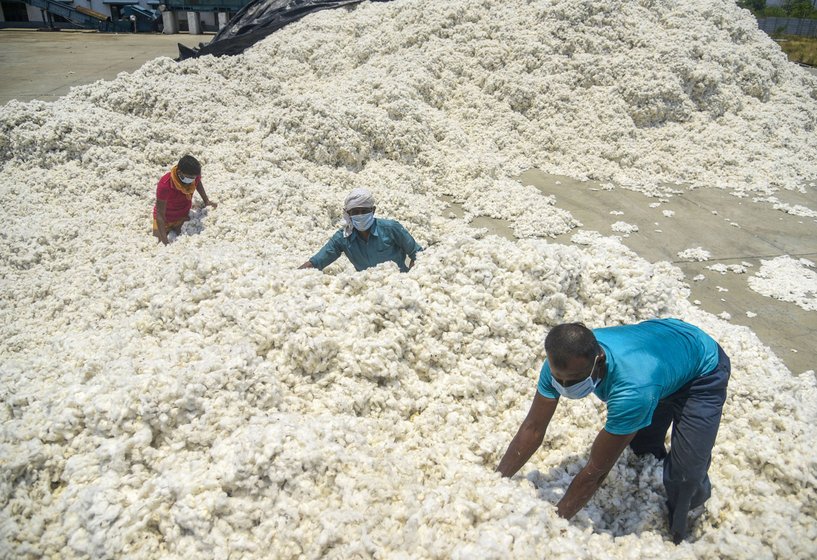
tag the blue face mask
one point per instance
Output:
(362, 222)
(187, 180)
(577, 390)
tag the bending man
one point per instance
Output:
(365, 240)
(650, 375)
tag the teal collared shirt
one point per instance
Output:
(388, 241)
(646, 362)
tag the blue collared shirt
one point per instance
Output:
(388, 241)
(646, 362)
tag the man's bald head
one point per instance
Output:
(568, 341)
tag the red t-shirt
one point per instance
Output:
(178, 205)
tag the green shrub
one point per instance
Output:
(790, 8)
(799, 9)
(774, 11)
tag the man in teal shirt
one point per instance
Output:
(650, 375)
(366, 241)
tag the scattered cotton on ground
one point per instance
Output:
(624, 227)
(787, 279)
(793, 209)
(724, 268)
(694, 254)
(205, 399)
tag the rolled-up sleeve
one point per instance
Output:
(329, 253)
(407, 242)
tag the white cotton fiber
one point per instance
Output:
(208, 400)
(694, 254)
(787, 279)
(724, 268)
(624, 227)
(793, 209)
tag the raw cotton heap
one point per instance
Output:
(206, 399)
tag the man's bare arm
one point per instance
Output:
(161, 223)
(603, 455)
(530, 435)
(203, 195)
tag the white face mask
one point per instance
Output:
(187, 180)
(362, 222)
(577, 390)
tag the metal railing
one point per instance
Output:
(77, 17)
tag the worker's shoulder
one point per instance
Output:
(165, 184)
(648, 325)
(338, 236)
(165, 180)
(674, 325)
(383, 223)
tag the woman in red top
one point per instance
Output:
(174, 197)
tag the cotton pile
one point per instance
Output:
(207, 399)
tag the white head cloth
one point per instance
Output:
(358, 198)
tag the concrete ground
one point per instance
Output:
(733, 230)
(45, 65)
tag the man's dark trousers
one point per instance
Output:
(695, 412)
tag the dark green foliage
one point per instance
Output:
(790, 8)
(754, 6)
(799, 9)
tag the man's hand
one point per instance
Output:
(307, 264)
(210, 203)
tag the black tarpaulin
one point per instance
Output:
(257, 20)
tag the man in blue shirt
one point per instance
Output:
(366, 241)
(650, 375)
